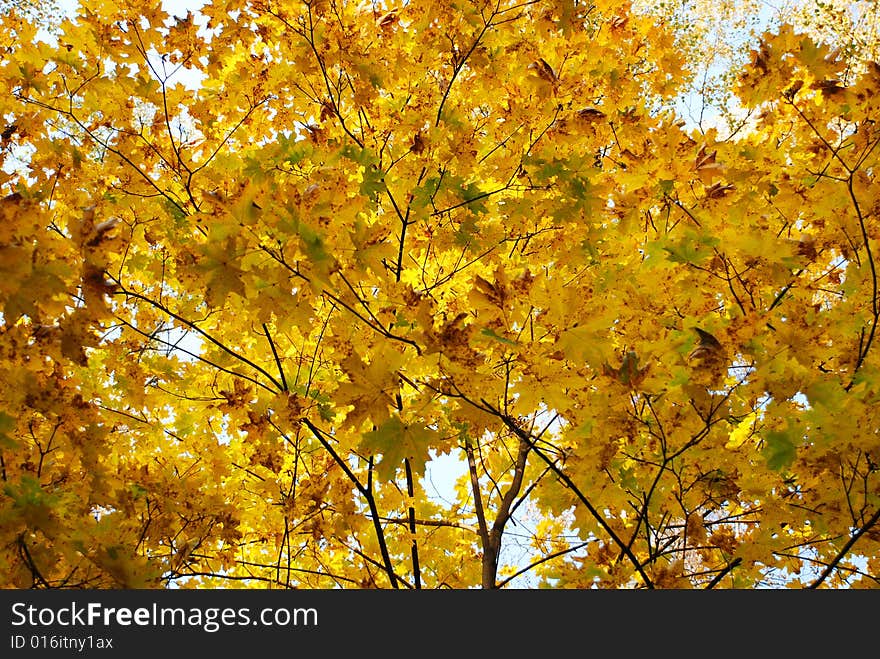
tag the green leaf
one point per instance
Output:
(373, 183)
(779, 450)
(473, 196)
(173, 209)
(373, 176)
(828, 394)
(32, 502)
(293, 151)
(137, 491)
(693, 247)
(666, 186)
(7, 426)
(497, 337)
(395, 441)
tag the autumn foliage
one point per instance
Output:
(265, 268)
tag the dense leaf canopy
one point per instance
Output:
(444, 294)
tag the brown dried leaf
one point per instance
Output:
(828, 87)
(101, 231)
(708, 353)
(94, 281)
(418, 143)
(544, 70)
(705, 159)
(793, 89)
(388, 19)
(590, 115)
(761, 58)
(717, 191)
(328, 109)
(316, 134)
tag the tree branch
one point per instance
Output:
(487, 407)
(845, 550)
(365, 490)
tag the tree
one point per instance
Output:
(266, 264)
